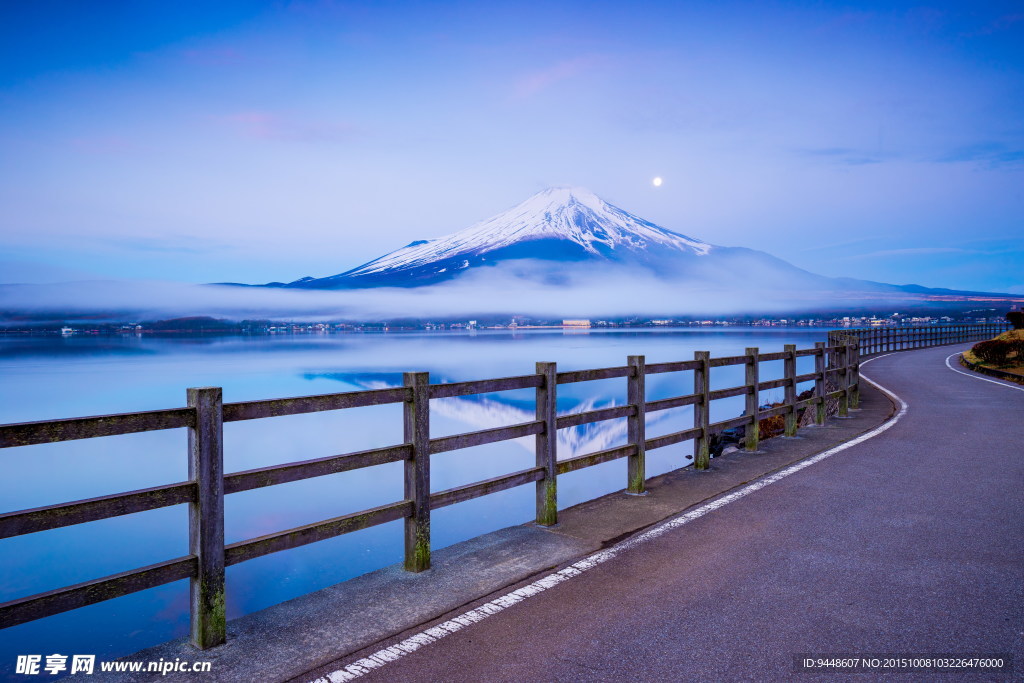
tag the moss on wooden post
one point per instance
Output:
(789, 391)
(753, 397)
(636, 425)
(821, 406)
(843, 354)
(206, 517)
(416, 421)
(855, 375)
(701, 410)
(547, 445)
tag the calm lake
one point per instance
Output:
(53, 377)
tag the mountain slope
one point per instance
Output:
(556, 226)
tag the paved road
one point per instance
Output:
(909, 542)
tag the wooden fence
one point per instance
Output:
(836, 365)
(876, 340)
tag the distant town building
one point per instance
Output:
(575, 323)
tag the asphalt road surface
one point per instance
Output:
(908, 543)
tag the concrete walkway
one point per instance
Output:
(907, 543)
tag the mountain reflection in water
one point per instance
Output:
(503, 409)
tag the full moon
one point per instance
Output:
(657, 182)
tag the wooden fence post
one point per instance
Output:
(416, 421)
(843, 354)
(636, 427)
(547, 445)
(702, 410)
(789, 390)
(206, 517)
(855, 375)
(821, 406)
(753, 398)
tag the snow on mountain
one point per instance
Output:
(571, 214)
(557, 224)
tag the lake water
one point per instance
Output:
(46, 378)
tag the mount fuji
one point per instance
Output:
(569, 240)
(552, 233)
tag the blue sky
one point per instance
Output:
(252, 142)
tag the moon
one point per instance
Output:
(657, 181)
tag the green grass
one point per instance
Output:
(1016, 368)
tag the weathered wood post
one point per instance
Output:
(855, 375)
(206, 517)
(843, 354)
(821, 407)
(547, 444)
(416, 421)
(753, 397)
(636, 426)
(789, 390)
(702, 409)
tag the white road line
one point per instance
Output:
(379, 658)
(975, 375)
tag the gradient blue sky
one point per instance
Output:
(252, 142)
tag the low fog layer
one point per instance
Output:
(520, 288)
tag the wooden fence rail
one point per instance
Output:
(835, 364)
(875, 340)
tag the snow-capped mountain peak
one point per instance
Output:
(573, 215)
